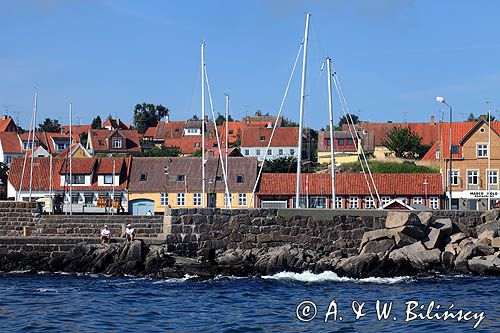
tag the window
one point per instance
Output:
(61, 146)
(89, 199)
(75, 198)
(434, 202)
(482, 150)
(338, 202)
(230, 132)
(108, 179)
(369, 203)
(385, 200)
(78, 179)
(353, 202)
(143, 177)
(438, 154)
(117, 143)
(302, 202)
(196, 199)
(27, 145)
(492, 176)
(181, 199)
(262, 138)
(280, 151)
(257, 152)
(181, 178)
(454, 149)
(247, 152)
(455, 177)
(228, 199)
(242, 199)
(218, 178)
(317, 202)
(196, 144)
(163, 199)
(349, 142)
(292, 152)
(341, 142)
(99, 142)
(240, 178)
(8, 158)
(417, 200)
(269, 152)
(472, 177)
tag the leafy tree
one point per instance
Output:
(148, 115)
(344, 118)
(388, 167)
(161, 152)
(289, 123)
(281, 165)
(222, 118)
(472, 117)
(403, 142)
(84, 136)
(96, 123)
(194, 118)
(49, 125)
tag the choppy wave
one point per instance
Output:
(308, 276)
(46, 290)
(186, 277)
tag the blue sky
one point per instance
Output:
(393, 57)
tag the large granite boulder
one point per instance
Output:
(400, 219)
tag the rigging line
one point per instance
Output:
(352, 135)
(361, 146)
(30, 133)
(195, 82)
(276, 121)
(217, 136)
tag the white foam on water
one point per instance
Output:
(186, 277)
(308, 276)
(46, 290)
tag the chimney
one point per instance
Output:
(206, 118)
(167, 118)
(258, 113)
(4, 117)
(432, 120)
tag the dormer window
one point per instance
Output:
(230, 132)
(181, 178)
(27, 145)
(99, 142)
(143, 177)
(61, 146)
(117, 143)
(240, 179)
(262, 138)
(78, 179)
(108, 179)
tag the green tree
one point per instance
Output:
(96, 123)
(222, 118)
(344, 118)
(194, 118)
(49, 125)
(161, 152)
(148, 115)
(281, 165)
(289, 123)
(84, 136)
(471, 117)
(403, 142)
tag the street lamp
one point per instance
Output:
(425, 191)
(441, 99)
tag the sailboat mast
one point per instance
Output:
(70, 161)
(203, 196)
(301, 114)
(489, 160)
(227, 126)
(33, 143)
(332, 141)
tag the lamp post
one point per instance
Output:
(425, 191)
(441, 99)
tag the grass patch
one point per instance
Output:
(389, 167)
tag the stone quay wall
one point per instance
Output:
(191, 231)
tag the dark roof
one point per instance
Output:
(101, 143)
(190, 167)
(367, 139)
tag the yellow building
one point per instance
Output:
(159, 182)
(346, 149)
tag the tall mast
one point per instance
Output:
(489, 159)
(227, 126)
(203, 199)
(113, 191)
(301, 114)
(330, 111)
(70, 161)
(33, 142)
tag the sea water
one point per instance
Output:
(285, 302)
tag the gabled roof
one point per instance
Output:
(78, 166)
(73, 149)
(283, 137)
(495, 127)
(101, 144)
(235, 128)
(367, 140)
(190, 168)
(7, 124)
(396, 204)
(429, 132)
(48, 140)
(11, 144)
(351, 184)
(76, 129)
(115, 124)
(105, 165)
(189, 144)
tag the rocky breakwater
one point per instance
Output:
(417, 244)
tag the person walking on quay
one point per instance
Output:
(129, 233)
(105, 234)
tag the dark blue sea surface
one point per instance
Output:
(69, 303)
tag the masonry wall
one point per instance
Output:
(191, 230)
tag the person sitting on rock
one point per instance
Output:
(105, 234)
(129, 233)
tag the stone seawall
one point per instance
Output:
(190, 231)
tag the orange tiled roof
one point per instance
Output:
(236, 128)
(189, 144)
(7, 124)
(429, 132)
(76, 129)
(11, 144)
(283, 137)
(351, 183)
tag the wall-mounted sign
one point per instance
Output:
(493, 194)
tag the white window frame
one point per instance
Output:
(492, 174)
(117, 143)
(434, 202)
(61, 146)
(108, 182)
(369, 202)
(470, 174)
(338, 202)
(181, 199)
(280, 152)
(163, 199)
(455, 177)
(353, 202)
(228, 199)
(482, 150)
(242, 199)
(196, 199)
(257, 152)
(417, 200)
(384, 200)
(270, 152)
(292, 152)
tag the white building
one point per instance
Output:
(284, 142)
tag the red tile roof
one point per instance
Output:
(41, 175)
(427, 131)
(283, 137)
(105, 165)
(79, 166)
(236, 128)
(350, 184)
(189, 144)
(115, 123)
(101, 144)
(11, 144)
(7, 124)
(76, 129)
